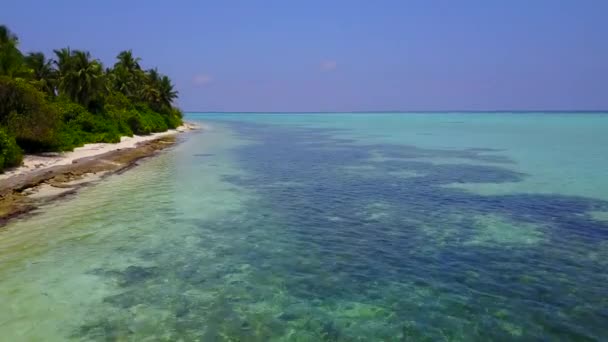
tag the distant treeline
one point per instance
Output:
(66, 101)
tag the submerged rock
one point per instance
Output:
(136, 274)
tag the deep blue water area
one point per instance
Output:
(369, 230)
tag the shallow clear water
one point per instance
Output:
(311, 227)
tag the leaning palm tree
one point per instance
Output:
(42, 71)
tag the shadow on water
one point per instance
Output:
(365, 242)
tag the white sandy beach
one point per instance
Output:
(47, 160)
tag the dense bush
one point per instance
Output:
(174, 119)
(10, 153)
(143, 120)
(79, 126)
(28, 115)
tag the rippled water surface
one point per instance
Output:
(329, 227)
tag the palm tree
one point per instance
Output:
(42, 71)
(127, 61)
(128, 75)
(167, 92)
(81, 78)
(11, 59)
(153, 75)
(110, 80)
(150, 92)
(158, 91)
(64, 57)
(6, 36)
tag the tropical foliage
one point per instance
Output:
(10, 153)
(64, 102)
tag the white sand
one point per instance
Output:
(46, 160)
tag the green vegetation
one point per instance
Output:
(65, 102)
(10, 153)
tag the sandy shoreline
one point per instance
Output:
(47, 160)
(46, 177)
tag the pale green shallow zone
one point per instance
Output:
(48, 285)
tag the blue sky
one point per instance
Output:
(344, 55)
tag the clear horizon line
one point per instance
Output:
(409, 111)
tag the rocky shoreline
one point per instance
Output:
(21, 194)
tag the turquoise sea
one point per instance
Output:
(329, 227)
